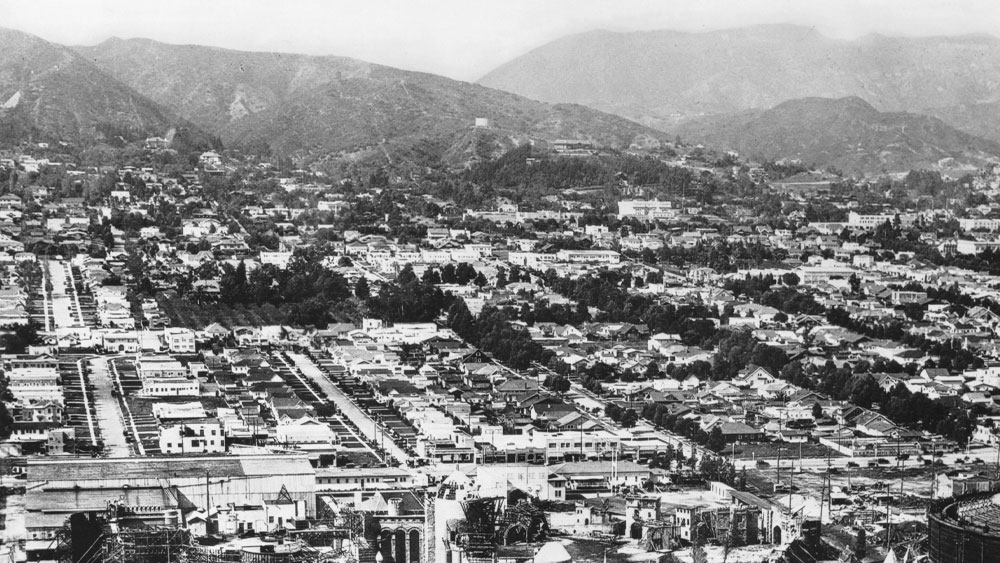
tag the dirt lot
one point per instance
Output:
(916, 481)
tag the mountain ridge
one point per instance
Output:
(50, 93)
(847, 133)
(314, 106)
(662, 76)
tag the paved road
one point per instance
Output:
(359, 417)
(109, 415)
(63, 307)
(985, 453)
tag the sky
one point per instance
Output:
(463, 39)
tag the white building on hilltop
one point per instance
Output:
(646, 210)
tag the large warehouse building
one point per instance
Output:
(161, 487)
(964, 529)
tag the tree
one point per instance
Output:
(855, 283)
(817, 411)
(448, 274)
(431, 276)
(653, 371)
(613, 411)
(461, 321)
(790, 278)
(464, 273)
(6, 419)
(361, 289)
(327, 409)
(861, 543)
(716, 441)
(406, 275)
(628, 418)
(24, 335)
(865, 391)
(557, 383)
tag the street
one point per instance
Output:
(365, 423)
(109, 415)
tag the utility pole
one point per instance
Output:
(997, 442)
(791, 483)
(888, 526)
(208, 498)
(900, 465)
(777, 475)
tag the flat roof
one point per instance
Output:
(77, 469)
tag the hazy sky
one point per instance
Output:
(462, 39)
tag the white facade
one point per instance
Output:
(180, 340)
(278, 259)
(306, 430)
(170, 387)
(641, 209)
(980, 224)
(192, 437)
(589, 256)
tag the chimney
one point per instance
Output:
(394, 506)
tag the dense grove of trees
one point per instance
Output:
(738, 349)
(720, 255)
(525, 167)
(6, 419)
(914, 410)
(627, 417)
(786, 298)
(15, 342)
(408, 300)
(308, 291)
(492, 332)
(608, 292)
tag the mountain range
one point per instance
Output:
(866, 105)
(717, 86)
(50, 93)
(660, 77)
(293, 105)
(847, 133)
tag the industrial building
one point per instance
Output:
(165, 489)
(964, 529)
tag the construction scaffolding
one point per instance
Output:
(476, 536)
(146, 545)
(732, 526)
(658, 535)
(523, 522)
(113, 542)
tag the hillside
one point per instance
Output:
(49, 93)
(981, 119)
(311, 106)
(847, 133)
(661, 77)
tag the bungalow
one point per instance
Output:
(740, 432)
